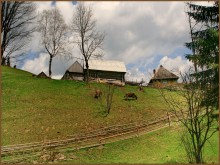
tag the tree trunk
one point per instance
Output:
(50, 62)
(199, 159)
(193, 46)
(87, 72)
(3, 62)
(2, 58)
(8, 61)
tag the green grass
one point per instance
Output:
(34, 109)
(162, 146)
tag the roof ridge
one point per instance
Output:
(105, 60)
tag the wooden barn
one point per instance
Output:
(163, 76)
(107, 70)
(99, 70)
(74, 72)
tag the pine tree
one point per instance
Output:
(204, 28)
(201, 87)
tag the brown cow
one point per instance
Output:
(130, 95)
(98, 93)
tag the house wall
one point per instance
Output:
(95, 74)
(107, 75)
(165, 81)
(73, 76)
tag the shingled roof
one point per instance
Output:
(104, 65)
(107, 65)
(76, 67)
(163, 73)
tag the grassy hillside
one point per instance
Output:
(162, 146)
(34, 109)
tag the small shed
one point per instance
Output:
(74, 72)
(164, 76)
(42, 75)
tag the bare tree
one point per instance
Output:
(88, 39)
(195, 115)
(53, 32)
(16, 28)
(109, 95)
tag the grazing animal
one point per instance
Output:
(130, 95)
(141, 89)
(98, 93)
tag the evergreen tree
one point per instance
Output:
(204, 28)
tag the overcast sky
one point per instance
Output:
(143, 35)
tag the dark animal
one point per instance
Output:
(141, 89)
(98, 93)
(130, 95)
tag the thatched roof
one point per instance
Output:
(163, 73)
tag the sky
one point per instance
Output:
(144, 35)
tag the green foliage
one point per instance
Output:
(204, 13)
(205, 48)
(202, 87)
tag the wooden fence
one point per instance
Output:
(88, 139)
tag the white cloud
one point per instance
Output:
(37, 65)
(204, 3)
(66, 9)
(175, 65)
(137, 33)
(135, 75)
(41, 63)
(151, 28)
(43, 5)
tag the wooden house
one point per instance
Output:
(99, 70)
(163, 76)
(107, 70)
(74, 72)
